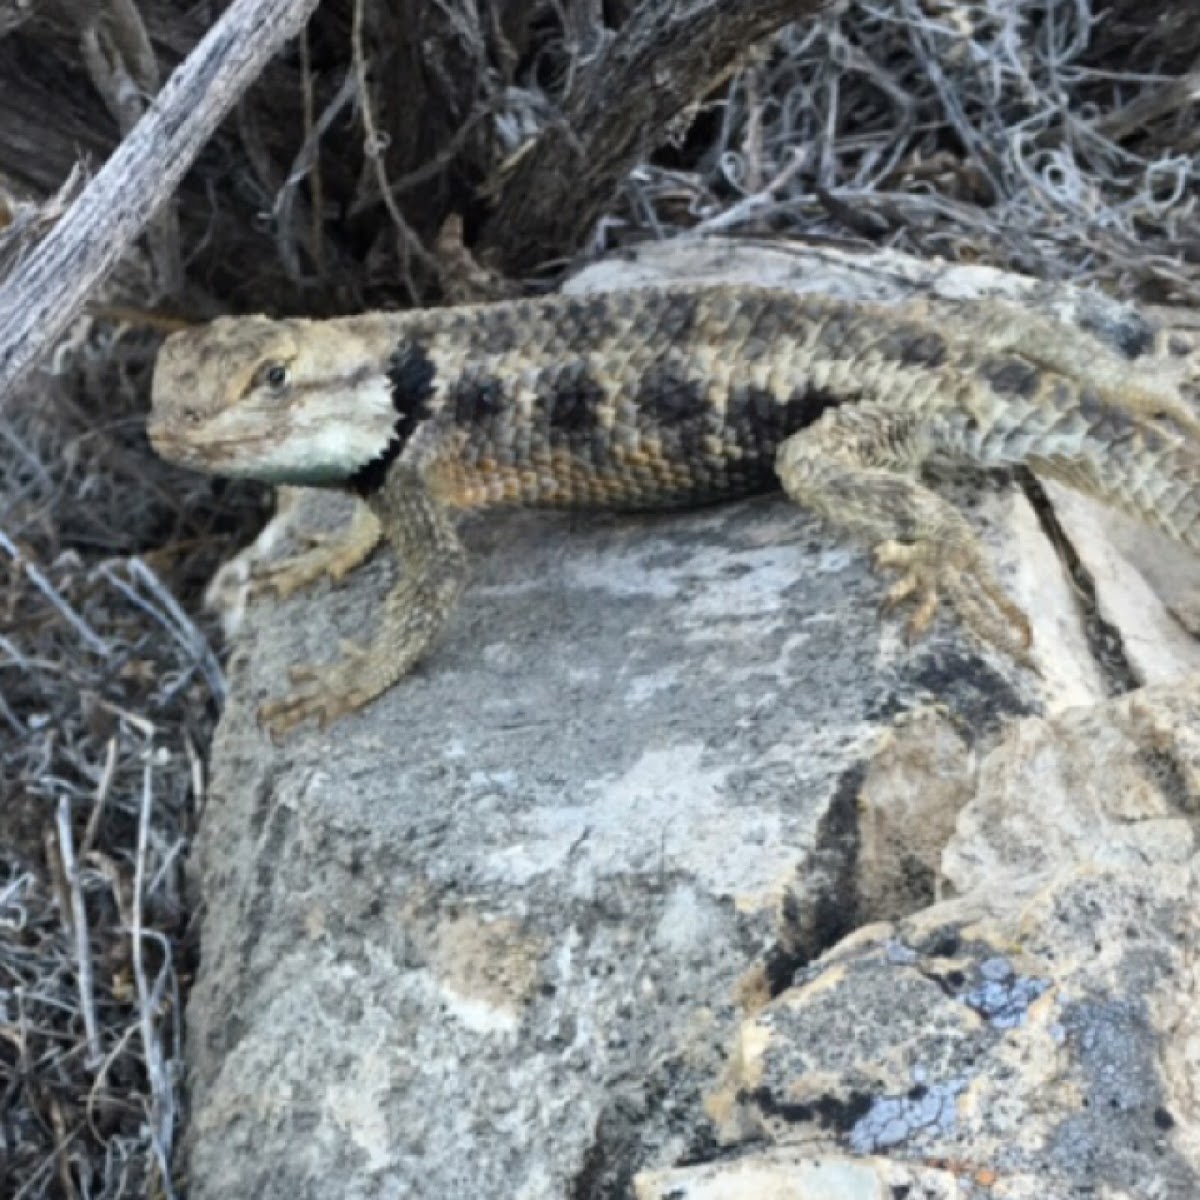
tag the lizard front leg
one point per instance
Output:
(329, 554)
(422, 534)
(856, 467)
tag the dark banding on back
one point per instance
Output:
(759, 417)
(1010, 376)
(669, 395)
(1130, 334)
(913, 346)
(568, 398)
(809, 404)
(411, 374)
(474, 399)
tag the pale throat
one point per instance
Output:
(332, 432)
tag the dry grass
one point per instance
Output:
(1056, 137)
(108, 691)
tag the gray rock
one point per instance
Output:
(1044, 1027)
(784, 1174)
(493, 928)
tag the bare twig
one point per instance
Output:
(120, 59)
(1151, 105)
(754, 205)
(197, 773)
(306, 165)
(101, 796)
(62, 1139)
(375, 143)
(79, 725)
(162, 1115)
(886, 97)
(162, 607)
(39, 580)
(47, 290)
(143, 317)
(312, 137)
(129, 35)
(83, 951)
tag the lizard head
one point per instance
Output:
(291, 401)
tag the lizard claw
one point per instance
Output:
(286, 576)
(327, 556)
(322, 692)
(931, 572)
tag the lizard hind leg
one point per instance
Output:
(856, 467)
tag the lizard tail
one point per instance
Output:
(1159, 483)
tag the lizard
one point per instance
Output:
(666, 396)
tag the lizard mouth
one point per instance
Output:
(165, 442)
(189, 450)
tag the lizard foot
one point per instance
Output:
(329, 554)
(931, 571)
(326, 556)
(324, 692)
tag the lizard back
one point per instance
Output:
(645, 398)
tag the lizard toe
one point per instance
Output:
(323, 693)
(933, 572)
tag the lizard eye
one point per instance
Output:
(274, 375)
(191, 416)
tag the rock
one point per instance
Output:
(1043, 1027)
(795, 1175)
(1114, 785)
(1145, 589)
(638, 865)
(494, 927)
(919, 779)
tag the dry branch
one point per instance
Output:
(665, 57)
(47, 290)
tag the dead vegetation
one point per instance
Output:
(1056, 137)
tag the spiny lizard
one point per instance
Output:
(664, 396)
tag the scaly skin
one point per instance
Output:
(668, 396)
